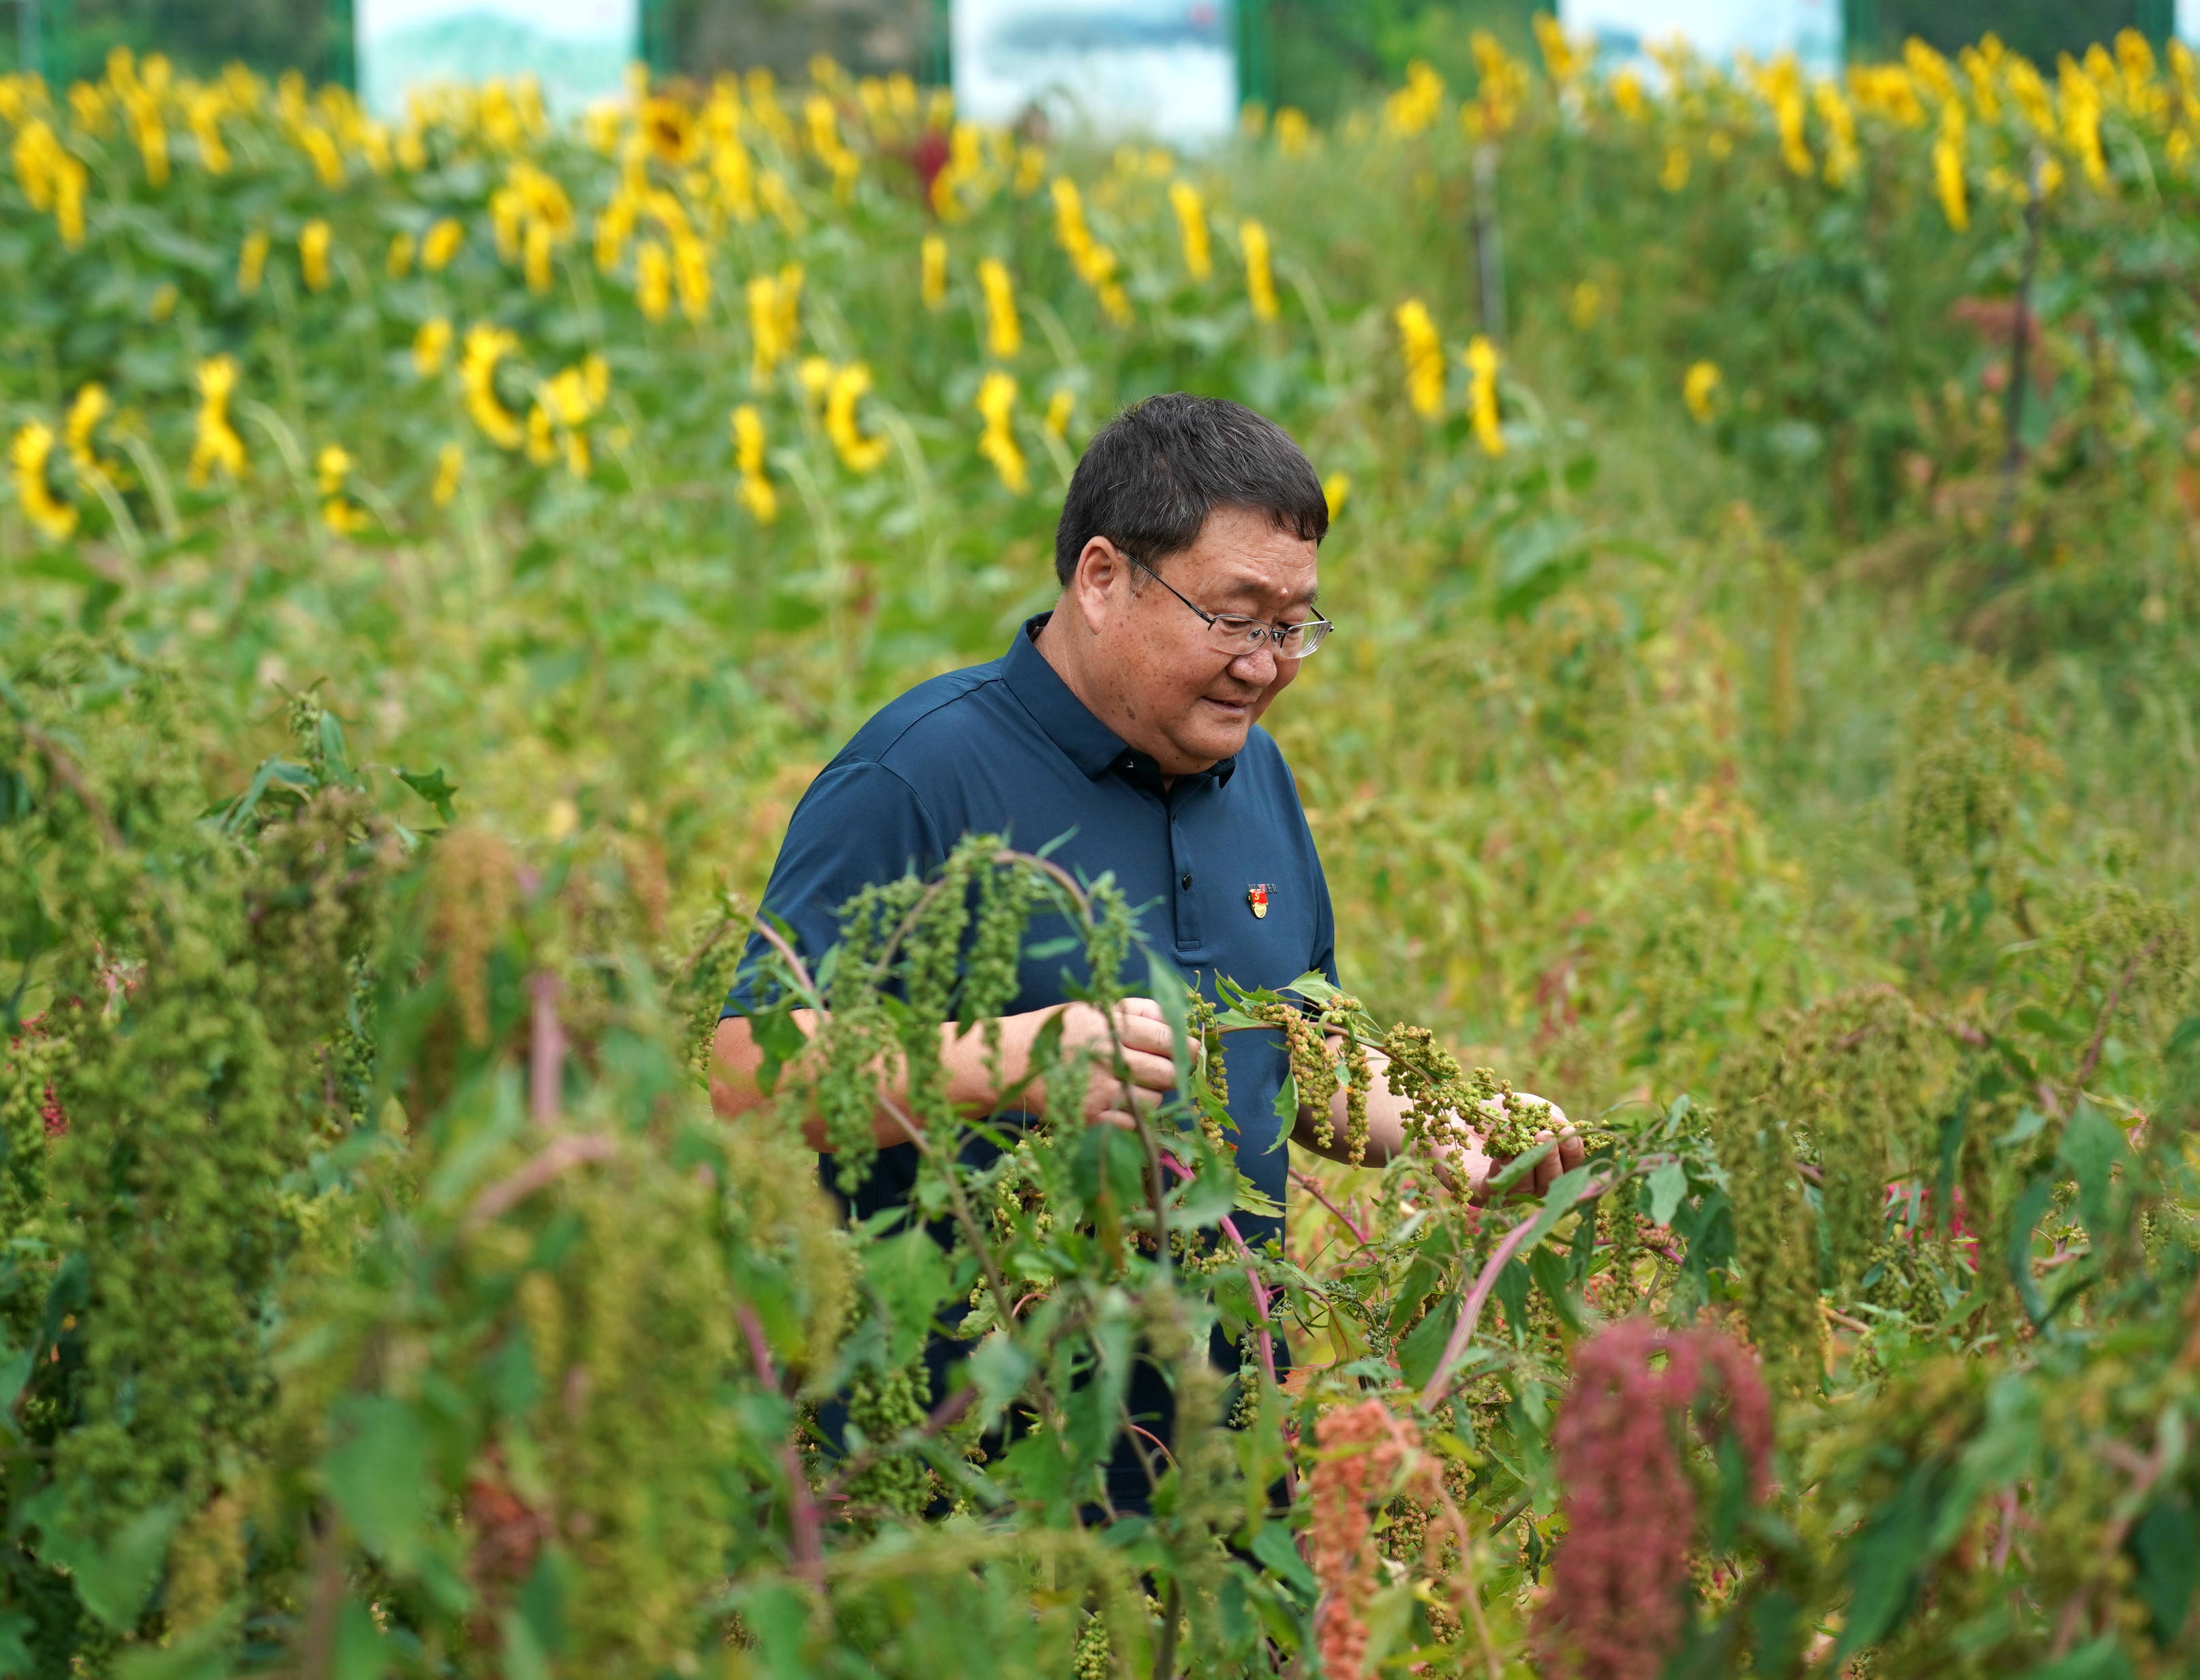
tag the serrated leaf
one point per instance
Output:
(909, 1274)
(1669, 1184)
(1252, 1199)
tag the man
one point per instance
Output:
(1124, 725)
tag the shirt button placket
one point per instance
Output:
(1187, 910)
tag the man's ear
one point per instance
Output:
(1099, 567)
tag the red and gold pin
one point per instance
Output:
(1256, 900)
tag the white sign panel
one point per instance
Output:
(577, 49)
(1164, 68)
(1717, 29)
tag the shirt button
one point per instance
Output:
(1186, 883)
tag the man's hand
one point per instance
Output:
(1473, 1165)
(1149, 1050)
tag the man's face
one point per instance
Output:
(1167, 689)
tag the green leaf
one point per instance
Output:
(523, 1656)
(1274, 1547)
(2185, 1038)
(1883, 1562)
(2101, 1658)
(1556, 1204)
(1423, 1346)
(333, 750)
(2004, 1452)
(909, 1276)
(114, 1579)
(2028, 1124)
(205, 1653)
(780, 1616)
(1548, 1269)
(1669, 1184)
(2035, 1019)
(780, 1038)
(2092, 1146)
(1000, 1367)
(1210, 1197)
(1313, 985)
(15, 1372)
(377, 1475)
(360, 1652)
(1535, 561)
(278, 773)
(15, 1663)
(2165, 1543)
(1517, 1168)
(2018, 1253)
(1252, 1199)
(1388, 1615)
(433, 786)
(1166, 986)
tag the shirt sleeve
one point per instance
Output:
(1323, 955)
(859, 825)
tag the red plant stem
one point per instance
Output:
(1259, 1289)
(545, 1052)
(1159, 1445)
(1470, 1311)
(803, 1524)
(562, 1154)
(1311, 1186)
(2107, 1014)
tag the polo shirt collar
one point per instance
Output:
(1066, 721)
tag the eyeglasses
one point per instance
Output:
(1236, 634)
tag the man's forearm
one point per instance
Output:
(1386, 1121)
(971, 1089)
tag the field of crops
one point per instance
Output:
(1765, 719)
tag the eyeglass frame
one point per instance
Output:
(1276, 632)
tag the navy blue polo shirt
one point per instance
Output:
(1006, 748)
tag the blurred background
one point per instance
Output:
(1319, 56)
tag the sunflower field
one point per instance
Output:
(1765, 719)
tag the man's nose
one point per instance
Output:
(1257, 668)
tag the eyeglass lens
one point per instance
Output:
(1249, 636)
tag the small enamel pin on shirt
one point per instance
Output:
(1256, 898)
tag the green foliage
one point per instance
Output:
(379, 1292)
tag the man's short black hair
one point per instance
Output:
(1151, 476)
